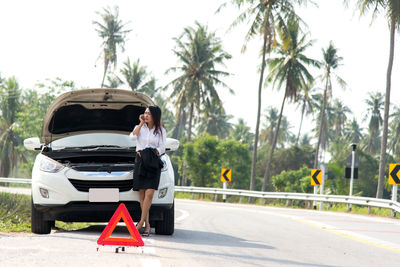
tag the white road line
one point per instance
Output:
(148, 252)
(183, 216)
(338, 214)
(150, 263)
(349, 233)
(346, 233)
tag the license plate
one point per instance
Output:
(103, 194)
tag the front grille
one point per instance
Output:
(84, 185)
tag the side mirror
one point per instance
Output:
(172, 144)
(32, 143)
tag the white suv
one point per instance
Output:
(85, 167)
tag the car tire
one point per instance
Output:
(166, 226)
(38, 224)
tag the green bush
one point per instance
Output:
(15, 212)
(293, 181)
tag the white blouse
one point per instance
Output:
(146, 138)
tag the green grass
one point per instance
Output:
(295, 204)
(15, 212)
(360, 210)
(68, 226)
(17, 185)
(15, 215)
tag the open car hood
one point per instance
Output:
(93, 110)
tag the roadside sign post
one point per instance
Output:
(315, 192)
(353, 153)
(321, 188)
(394, 198)
(316, 180)
(394, 180)
(226, 176)
(224, 195)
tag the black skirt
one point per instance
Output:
(144, 182)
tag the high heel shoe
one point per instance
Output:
(139, 230)
(146, 233)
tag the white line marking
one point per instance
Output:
(149, 250)
(323, 226)
(150, 263)
(183, 216)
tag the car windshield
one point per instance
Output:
(93, 140)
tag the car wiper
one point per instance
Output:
(96, 147)
(99, 146)
(93, 147)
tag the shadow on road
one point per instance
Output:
(192, 238)
(193, 242)
(214, 239)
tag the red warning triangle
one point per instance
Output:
(105, 239)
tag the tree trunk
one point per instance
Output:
(190, 122)
(382, 163)
(105, 72)
(271, 151)
(321, 122)
(253, 164)
(5, 168)
(301, 122)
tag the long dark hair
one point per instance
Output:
(156, 114)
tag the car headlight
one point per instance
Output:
(49, 165)
(165, 166)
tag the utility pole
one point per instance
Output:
(353, 155)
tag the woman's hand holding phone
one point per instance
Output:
(141, 118)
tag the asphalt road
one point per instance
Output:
(219, 234)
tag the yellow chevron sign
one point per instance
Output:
(226, 175)
(394, 173)
(316, 177)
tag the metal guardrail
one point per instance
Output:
(362, 201)
(15, 180)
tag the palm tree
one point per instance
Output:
(340, 112)
(271, 118)
(267, 134)
(113, 81)
(199, 53)
(263, 16)
(326, 129)
(331, 61)
(9, 140)
(306, 103)
(134, 74)
(305, 140)
(215, 122)
(137, 78)
(394, 142)
(289, 69)
(112, 31)
(375, 107)
(353, 132)
(179, 129)
(241, 132)
(391, 8)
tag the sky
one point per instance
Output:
(48, 39)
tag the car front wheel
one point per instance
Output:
(38, 224)
(166, 226)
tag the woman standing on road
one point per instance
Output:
(151, 140)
